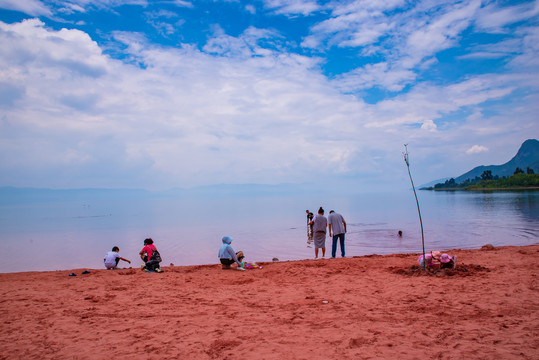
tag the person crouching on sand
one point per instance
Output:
(113, 258)
(444, 260)
(227, 256)
(448, 262)
(436, 259)
(151, 264)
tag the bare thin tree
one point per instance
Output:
(406, 160)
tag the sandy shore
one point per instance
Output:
(373, 307)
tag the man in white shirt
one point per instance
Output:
(113, 258)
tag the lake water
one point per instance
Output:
(76, 232)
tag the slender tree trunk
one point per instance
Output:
(417, 203)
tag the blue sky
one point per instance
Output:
(163, 94)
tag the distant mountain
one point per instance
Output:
(13, 195)
(9, 194)
(527, 156)
(432, 183)
(243, 190)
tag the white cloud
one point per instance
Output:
(187, 117)
(164, 21)
(528, 58)
(30, 7)
(182, 3)
(108, 3)
(245, 45)
(425, 103)
(493, 18)
(374, 75)
(69, 8)
(161, 14)
(29, 44)
(292, 7)
(429, 125)
(250, 9)
(354, 24)
(440, 33)
(407, 39)
(82, 6)
(476, 149)
(240, 110)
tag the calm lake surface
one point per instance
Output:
(76, 232)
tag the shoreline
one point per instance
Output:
(328, 257)
(530, 188)
(367, 307)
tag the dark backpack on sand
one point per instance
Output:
(156, 256)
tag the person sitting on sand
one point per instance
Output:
(444, 260)
(151, 264)
(429, 261)
(448, 262)
(436, 258)
(227, 256)
(113, 258)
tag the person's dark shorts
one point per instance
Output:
(227, 261)
(239, 255)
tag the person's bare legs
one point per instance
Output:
(316, 253)
(323, 252)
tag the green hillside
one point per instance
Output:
(519, 172)
(527, 156)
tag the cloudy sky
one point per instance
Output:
(180, 93)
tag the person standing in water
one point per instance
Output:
(310, 216)
(320, 224)
(338, 226)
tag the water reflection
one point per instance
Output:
(500, 218)
(523, 204)
(527, 206)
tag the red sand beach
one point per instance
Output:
(371, 307)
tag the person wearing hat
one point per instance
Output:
(448, 262)
(227, 256)
(436, 258)
(427, 261)
(445, 261)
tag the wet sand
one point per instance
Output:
(371, 307)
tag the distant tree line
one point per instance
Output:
(519, 179)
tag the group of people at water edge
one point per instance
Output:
(319, 224)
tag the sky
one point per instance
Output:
(179, 93)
